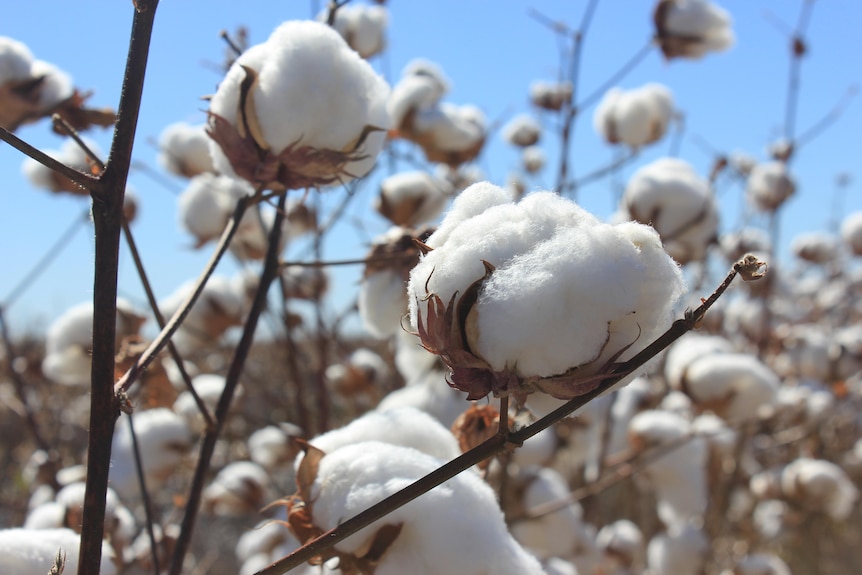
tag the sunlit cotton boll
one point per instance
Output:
(549, 95)
(421, 87)
(411, 198)
(686, 350)
(819, 485)
(363, 26)
(622, 542)
(678, 552)
(454, 528)
(448, 133)
(15, 60)
(560, 290)
(207, 203)
(533, 159)
(851, 232)
(238, 489)
(734, 245)
(306, 103)
(184, 150)
(522, 131)
(769, 186)
(692, 28)
(56, 85)
(33, 551)
(669, 195)
(634, 117)
(815, 247)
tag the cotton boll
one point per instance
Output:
(56, 85)
(421, 87)
(819, 485)
(550, 96)
(184, 150)
(209, 388)
(732, 385)
(238, 489)
(207, 203)
(382, 302)
(622, 543)
(847, 351)
(522, 131)
(669, 195)
(72, 155)
(760, 564)
(745, 241)
(33, 551)
(409, 199)
(815, 247)
(274, 447)
(769, 186)
(557, 534)
(362, 26)
(315, 112)
(429, 393)
(533, 159)
(636, 117)
(851, 232)
(691, 28)
(677, 552)
(769, 518)
(404, 426)
(15, 60)
(359, 379)
(628, 401)
(539, 450)
(552, 283)
(304, 282)
(455, 528)
(809, 351)
(448, 133)
(163, 440)
(686, 350)
(749, 317)
(413, 361)
(677, 403)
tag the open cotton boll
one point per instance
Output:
(851, 232)
(622, 542)
(408, 199)
(429, 393)
(56, 85)
(522, 131)
(769, 186)
(33, 551)
(362, 26)
(274, 447)
(819, 485)
(733, 385)
(71, 154)
(635, 117)
(302, 109)
(184, 150)
(15, 60)
(403, 426)
(686, 350)
(677, 552)
(759, 564)
(815, 247)
(382, 302)
(448, 134)
(628, 401)
(413, 361)
(558, 534)
(692, 28)
(304, 282)
(734, 245)
(209, 388)
(164, 439)
(240, 488)
(747, 316)
(549, 95)
(847, 351)
(207, 203)
(669, 195)
(561, 293)
(456, 527)
(421, 87)
(533, 159)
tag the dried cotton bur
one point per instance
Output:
(300, 110)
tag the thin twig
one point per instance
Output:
(145, 494)
(749, 267)
(86, 181)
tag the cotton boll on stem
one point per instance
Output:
(184, 150)
(769, 186)
(409, 199)
(691, 28)
(636, 117)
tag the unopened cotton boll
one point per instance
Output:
(815, 247)
(522, 131)
(560, 292)
(669, 195)
(302, 109)
(769, 186)
(851, 232)
(184, 150)
(732, 385)
(456, 527)
(635, 117)
(408, 199)
(691, 28)
(33, 551)
(819, 485)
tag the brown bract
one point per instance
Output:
(401, 253)
(20, 104)
(296, 167)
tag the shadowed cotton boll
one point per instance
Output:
(184, 150)
(734, 245)
(304, 282)
(542, 271)
(56, 85)
(274, 447)
(686, 350)
(691, 28)
(207, 203)
(457, 527)
(429, 393)
(819, 485)
(851, 232)
(209, 388)
(363, 27)
(409, 199)
(677, 552)
(33, 551)
(622, 544)
(164, 440)
(69, 341)
(362, 377)
(549, 95)
(302, 109)
(669, 195)
(635, 117)
(769, 186)
(522, 131)
(815, 247)
(533, 159)
(240, 488)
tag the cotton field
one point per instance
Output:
(547, 326)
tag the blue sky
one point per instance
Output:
(491, 51)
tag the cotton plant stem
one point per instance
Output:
(798, 49)
(107, 194)
(748, 267)
(268, 275)
(160, 320)
(145, 494)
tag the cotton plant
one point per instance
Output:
(691, 29)
(550, 96)
(238, 489)
(300, 110)
(184, 150)
(522, 131)
(748, 317)
(36, 551)
(769, 186)
(457, 527)
(69, 341)
(851, 232)
(363, 27)
(816, 247)
(409, 199)
(635, 118)
(670, 196)
(541, 305)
